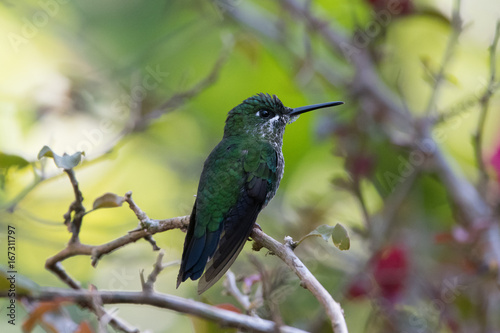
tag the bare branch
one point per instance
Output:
(97, 251)
(485, 103)
(75, 248)
(149, 227)
(96, 305)
(147, 286)
(223, 317)
(308, 280)
(266, 293)
(39, 177)
(366, 85)
(54, 265)
(179, 98)
(232, 289)
(373, 94)
(144, 221)
(76, 207)
(456, 24)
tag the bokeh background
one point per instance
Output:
(143, 88)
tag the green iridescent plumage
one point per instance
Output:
(240, 176)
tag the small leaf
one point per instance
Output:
(338, 234)
(7, 161)
(343, 184)
(65, 162)
(45, 152)
(452, 79)
(68, 161)
(108, 200)
(228, 307)
(84, 327)
(24, 285)
(340, 237)
(37, 313)
(325, 231)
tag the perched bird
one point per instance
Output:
(239, 178)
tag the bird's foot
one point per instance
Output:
(255, 226)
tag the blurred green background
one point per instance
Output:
(87, 75)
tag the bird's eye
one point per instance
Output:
(264, 114)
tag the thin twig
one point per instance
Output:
(54, 265)
(38, 179)
(475, 211)
(485, 103)
(232, 289)
(267, 293)
(76, 207)
(179, 98)
(366, 84)
(456, 24)
(147, 286)
(179, 304)
(285, 252)
(461, 107)
(308, 280)
(74, 247)
(356, 187)
(97, 251)
(57, 268)
(371, 90)
(96, 305)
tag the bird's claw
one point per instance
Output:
(255, 226)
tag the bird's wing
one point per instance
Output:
(260, 176)
(197, 249)
(221, 180)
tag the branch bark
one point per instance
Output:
(485, 103)
(307, 279)
(179, 304)
(148, 227)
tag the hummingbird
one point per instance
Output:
(239, 178)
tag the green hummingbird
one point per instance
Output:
(239, 178)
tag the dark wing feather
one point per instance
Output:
(197, 250)
(238, 223)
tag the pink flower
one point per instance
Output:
(495, 162)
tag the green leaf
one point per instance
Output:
(324, 231)
(108, 200)
(45, 152)
(8, 160)
(23, 285)
(65, 162)
(338, 233)
(340, 237)
(69, 161)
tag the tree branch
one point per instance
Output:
(372, 92)
(147, 286)
(456, 24)
(485, 103)
(76, 207)
(150, 227)
(308, 280)
(187, 306)
(97, 251)
(178, 98)
(232, 289)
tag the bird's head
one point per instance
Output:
(264, 117)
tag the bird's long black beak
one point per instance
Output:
(302, 109)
